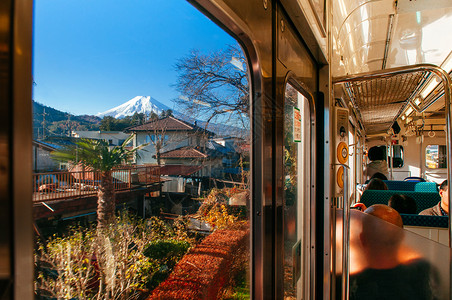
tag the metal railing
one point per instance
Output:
(52, 186)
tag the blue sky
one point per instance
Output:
(93, 55)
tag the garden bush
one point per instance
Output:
(132, 256)
(165, 253)
(116, 262)
(216, 211)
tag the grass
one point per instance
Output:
(240, 289)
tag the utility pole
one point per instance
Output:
(69, 125)
(44, 123)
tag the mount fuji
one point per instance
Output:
(138, 104)
(147, 105)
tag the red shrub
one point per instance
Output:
(204, 271)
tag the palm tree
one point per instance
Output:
(98, 156)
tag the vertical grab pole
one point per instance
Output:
(449, 150)
(345, 237)
(391, 159)
(447, 95)
(447, 99)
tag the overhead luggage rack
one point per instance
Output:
(380, 97)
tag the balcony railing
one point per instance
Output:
(65, 185)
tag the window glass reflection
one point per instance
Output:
(296, 191)
(389, 262)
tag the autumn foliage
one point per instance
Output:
(206, 269)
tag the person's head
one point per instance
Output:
(403, 204)
(385, 213)
(376, 153)
(379, 176)
(381, 238)
(444, 196)
(376, 184)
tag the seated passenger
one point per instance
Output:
(378, 163)
(387, 276)
(442, 208)
(376, 184)
(403, 204)
(377, 175)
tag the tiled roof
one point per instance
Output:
(167, 124)
(212, 145)
(184, 152)
(182, 170)
(46, 146)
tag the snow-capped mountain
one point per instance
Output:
(139, 104)
(147, 105)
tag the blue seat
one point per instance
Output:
(414, 179)
(426, 187)
(423, 200)
(400, 185)
(425, 221)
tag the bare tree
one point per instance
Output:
(214, 85)
(158, 137)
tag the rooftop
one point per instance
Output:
(168, 124)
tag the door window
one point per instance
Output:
(296, 191)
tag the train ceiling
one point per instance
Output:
(373, 35)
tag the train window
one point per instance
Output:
(296, 189)
(435, 157)
(189, 188)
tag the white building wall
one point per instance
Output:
(116, 137)
(42, 162)
(175, 140)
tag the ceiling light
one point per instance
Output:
(429, 88)
(408, 111)
(447, 63)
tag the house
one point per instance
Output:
(114, 138)
(210, 159)
(236, 158)
(164, 136)
(42, 161)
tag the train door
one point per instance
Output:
(297, 193)
(296, 83)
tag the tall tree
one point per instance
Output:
(138, 119)
(99, 157)
(108, 123)
(214, 85)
